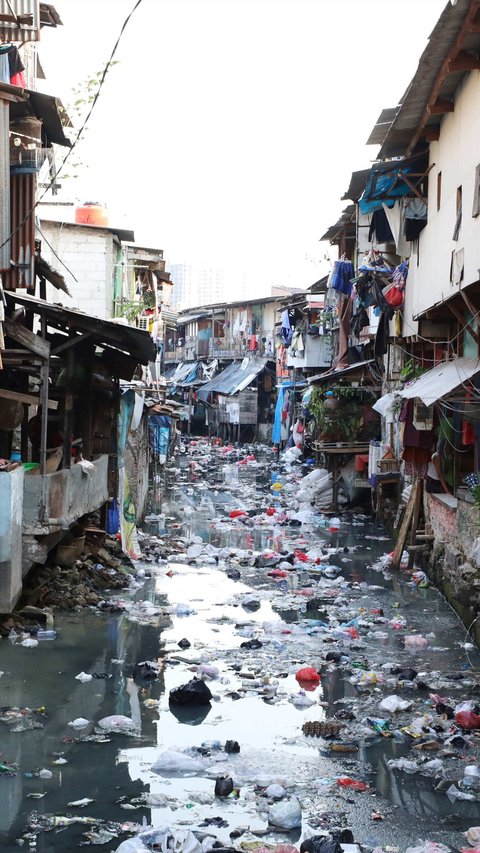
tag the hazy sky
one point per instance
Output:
(229, 130)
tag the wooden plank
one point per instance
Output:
(29, 399)
(403, 532)
(24, 336)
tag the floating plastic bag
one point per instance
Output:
(194, 692)
(415, 641)
(177, 763)
(308, 677)
(287, 814)
(352, 784)
(473, 835)
(392, 704)
(117, 723)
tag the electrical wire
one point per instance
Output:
(54, 252)
(80, 132)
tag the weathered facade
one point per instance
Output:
(413, 237)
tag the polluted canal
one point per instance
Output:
(263, 680)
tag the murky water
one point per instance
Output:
(117, 775)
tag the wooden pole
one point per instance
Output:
(190, 403)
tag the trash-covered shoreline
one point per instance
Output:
(260, 680)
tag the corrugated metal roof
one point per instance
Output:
(331, 375)
(122, 233)
(135, 342)
(236, 377)
(27, 27)
(441, 380)
(416, 98)
(382, 125)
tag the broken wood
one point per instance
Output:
(403, 532)
(29, 399)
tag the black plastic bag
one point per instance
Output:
(194, 692)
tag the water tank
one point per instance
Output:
(92, 213)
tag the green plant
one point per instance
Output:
(411, 370)
(475, 492)
(342, 423)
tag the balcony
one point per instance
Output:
(239, 347)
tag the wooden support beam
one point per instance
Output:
(29, 399)
(463, 61)
(24, 336)
(71, 343)
(464, 323)
(471, 307)
(431, 132)
(445, 68)
(441, 106)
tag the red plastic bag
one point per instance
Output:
(308, 675)
(467, 720)
(394, 296)
(353, 784)
(277, 573)
(236, 513)
(300, 555)
(270, 511)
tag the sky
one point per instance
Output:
(228, 130)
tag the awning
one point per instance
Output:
(332, 375)
(46, 108)
(135, 342)
(441, 380)
(236, 377)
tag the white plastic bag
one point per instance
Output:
(286, 814)
(392, 704)
(117, 723)
(172, 762)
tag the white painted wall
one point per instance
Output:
(89, 254)
(456, 155)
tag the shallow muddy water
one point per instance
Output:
(202, 604)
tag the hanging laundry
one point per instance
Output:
(11, 66)
(396, 220)
(415, 218)
(343, 272)
(286, 332)
(379, 228)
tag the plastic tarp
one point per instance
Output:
(439, 381)
(385, 184)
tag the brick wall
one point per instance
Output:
(90, 257)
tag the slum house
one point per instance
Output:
(421, 205)
(59, 428)
(240, 400)
(212, 338)
(305, 331)
(113, 278)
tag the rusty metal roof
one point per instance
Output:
(134, 342)
(447, 35)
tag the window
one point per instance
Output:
(439, 190)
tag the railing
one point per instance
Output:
(238, 347)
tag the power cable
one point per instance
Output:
(80, 132)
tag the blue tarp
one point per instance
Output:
(385, 184)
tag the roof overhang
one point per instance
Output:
(134, 342)
(331, 376)
(439, 382)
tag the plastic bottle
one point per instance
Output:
(46, 634)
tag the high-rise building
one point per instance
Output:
(196, 285)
